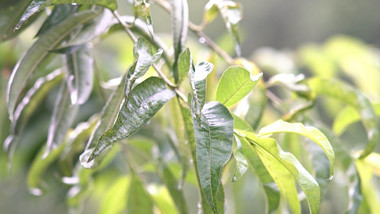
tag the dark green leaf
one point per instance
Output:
(38, 52)
(38, 5)
(10, 13)
(138, 201)
(354, 98)
(308, 131)
(63, 116)
(213, 136)
(197, 79)
(180, 19)
(142, 104)
(59, 13)
(235, 83)
(80, 75)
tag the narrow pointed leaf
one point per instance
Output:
(38, 5)
(33, 98)
(235, 83)
(213, 136)
(272, 192)
(142, 104)
(180, 19)
(232, 15)
(349, 116)
(279, 162)
(39, 165)
(116, 197)
(80, 75)
(197, 79)
(59, 13)
(308, 131)
(10, 14)
(184, 64)
(142, 8)
(38, 52)
(354, 98)
(144, 59)
(63, 116)
(162, 200)
(139, 200)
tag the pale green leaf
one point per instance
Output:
(354, 98)
(139, 200)
(38, 52)
(213, 136)
(235, 83)
(349, 116)
(272, 192)
(142, 8)
(180, 19)
(142, 104)
(282, 166)
(310, 132)
(80, 72)
(162, 200)
(115, 198)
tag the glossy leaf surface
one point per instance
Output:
(235, 83)
(213, 136)
(142, 104)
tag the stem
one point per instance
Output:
(198, 31)
(158, 70)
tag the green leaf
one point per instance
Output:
(241, 163)
(354, 98)
(172, 184)
(139, 200)
(10, 13)
(142, 104)
(197, 79)
(80, 71)
(184, 64)
(348, 116)
(63, 117)
(213, 135)
(283, 165)
(39, 165)
(142, 8)
(38, 5)
(38, 52)
(271, 190)
(232, 15)
(144, 58)
(235, 83)
(108, 116)
(310, 132)
(59, 13)
(180, 19)
(162, 200)
(115, 199)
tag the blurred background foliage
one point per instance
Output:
(331, 39)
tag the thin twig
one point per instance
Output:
(158, 70)
(198, 31)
